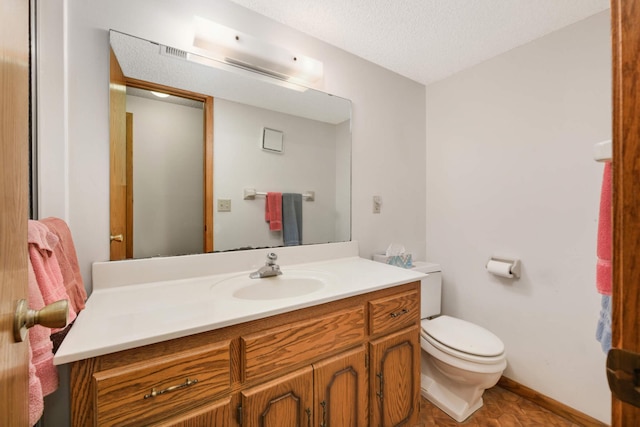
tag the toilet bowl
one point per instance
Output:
(454, 376)
(459, 359)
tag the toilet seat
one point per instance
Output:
(463, 340)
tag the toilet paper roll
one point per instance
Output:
(499, 268)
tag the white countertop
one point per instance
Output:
(125, 317)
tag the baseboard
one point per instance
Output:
(550, 404)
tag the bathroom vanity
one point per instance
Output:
(345, 354)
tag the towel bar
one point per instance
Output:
(251, 193)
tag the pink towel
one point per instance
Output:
(45, 265)
(65, 252)
(605, 236)
(273, 211)
(45, 287)
(36, 400)
(40, 349)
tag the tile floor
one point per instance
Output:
(501, 408)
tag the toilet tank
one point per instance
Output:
(430, 288)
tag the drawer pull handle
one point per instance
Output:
(155, 393)
(399, 313)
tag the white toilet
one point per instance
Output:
(460, 360)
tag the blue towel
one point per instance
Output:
(603, 330)
(292, 219)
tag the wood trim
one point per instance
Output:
(208, 175)
(208, 212)
(548, 403)
(117, 153)
(141, 84)
(625, 15)
(129, 187)
(83, 392)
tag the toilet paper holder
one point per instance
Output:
(504, 267)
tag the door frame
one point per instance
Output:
(625, 38)
(121, 219)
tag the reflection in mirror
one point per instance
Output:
(167, 140)
(194, 153)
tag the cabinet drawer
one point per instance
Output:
(393, 312)
(217, 414)
(147, 391)
(274, 349)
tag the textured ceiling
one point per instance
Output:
(426, 40)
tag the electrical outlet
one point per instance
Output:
(224, 205)
(377, 202)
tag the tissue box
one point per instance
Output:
(404, 260)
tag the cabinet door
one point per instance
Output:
(394, 376)
(341, 392)
(284, 402)
(216, 414)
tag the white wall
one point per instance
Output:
(167, 202)
(388, 119)
(308, 163)
(510, 171)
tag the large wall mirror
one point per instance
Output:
(196, 143)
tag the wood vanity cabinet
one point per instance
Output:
(285, 402)
(395, 378)
(332, 392)
(395, 359)
(341, 390)
(351, 362)
(214, 414)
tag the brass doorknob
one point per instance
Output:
(117, 238)
(52, 316)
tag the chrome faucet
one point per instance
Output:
(269, 269)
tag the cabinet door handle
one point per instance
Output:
(324, 413)
(155, 392)
(381, 392)
(399, 313)
(308, 411)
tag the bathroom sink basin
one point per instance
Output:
(288, 285)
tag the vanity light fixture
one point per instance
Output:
(160, 94)
(233, 47)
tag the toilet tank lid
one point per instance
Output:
(425, 267)
(463, 336)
